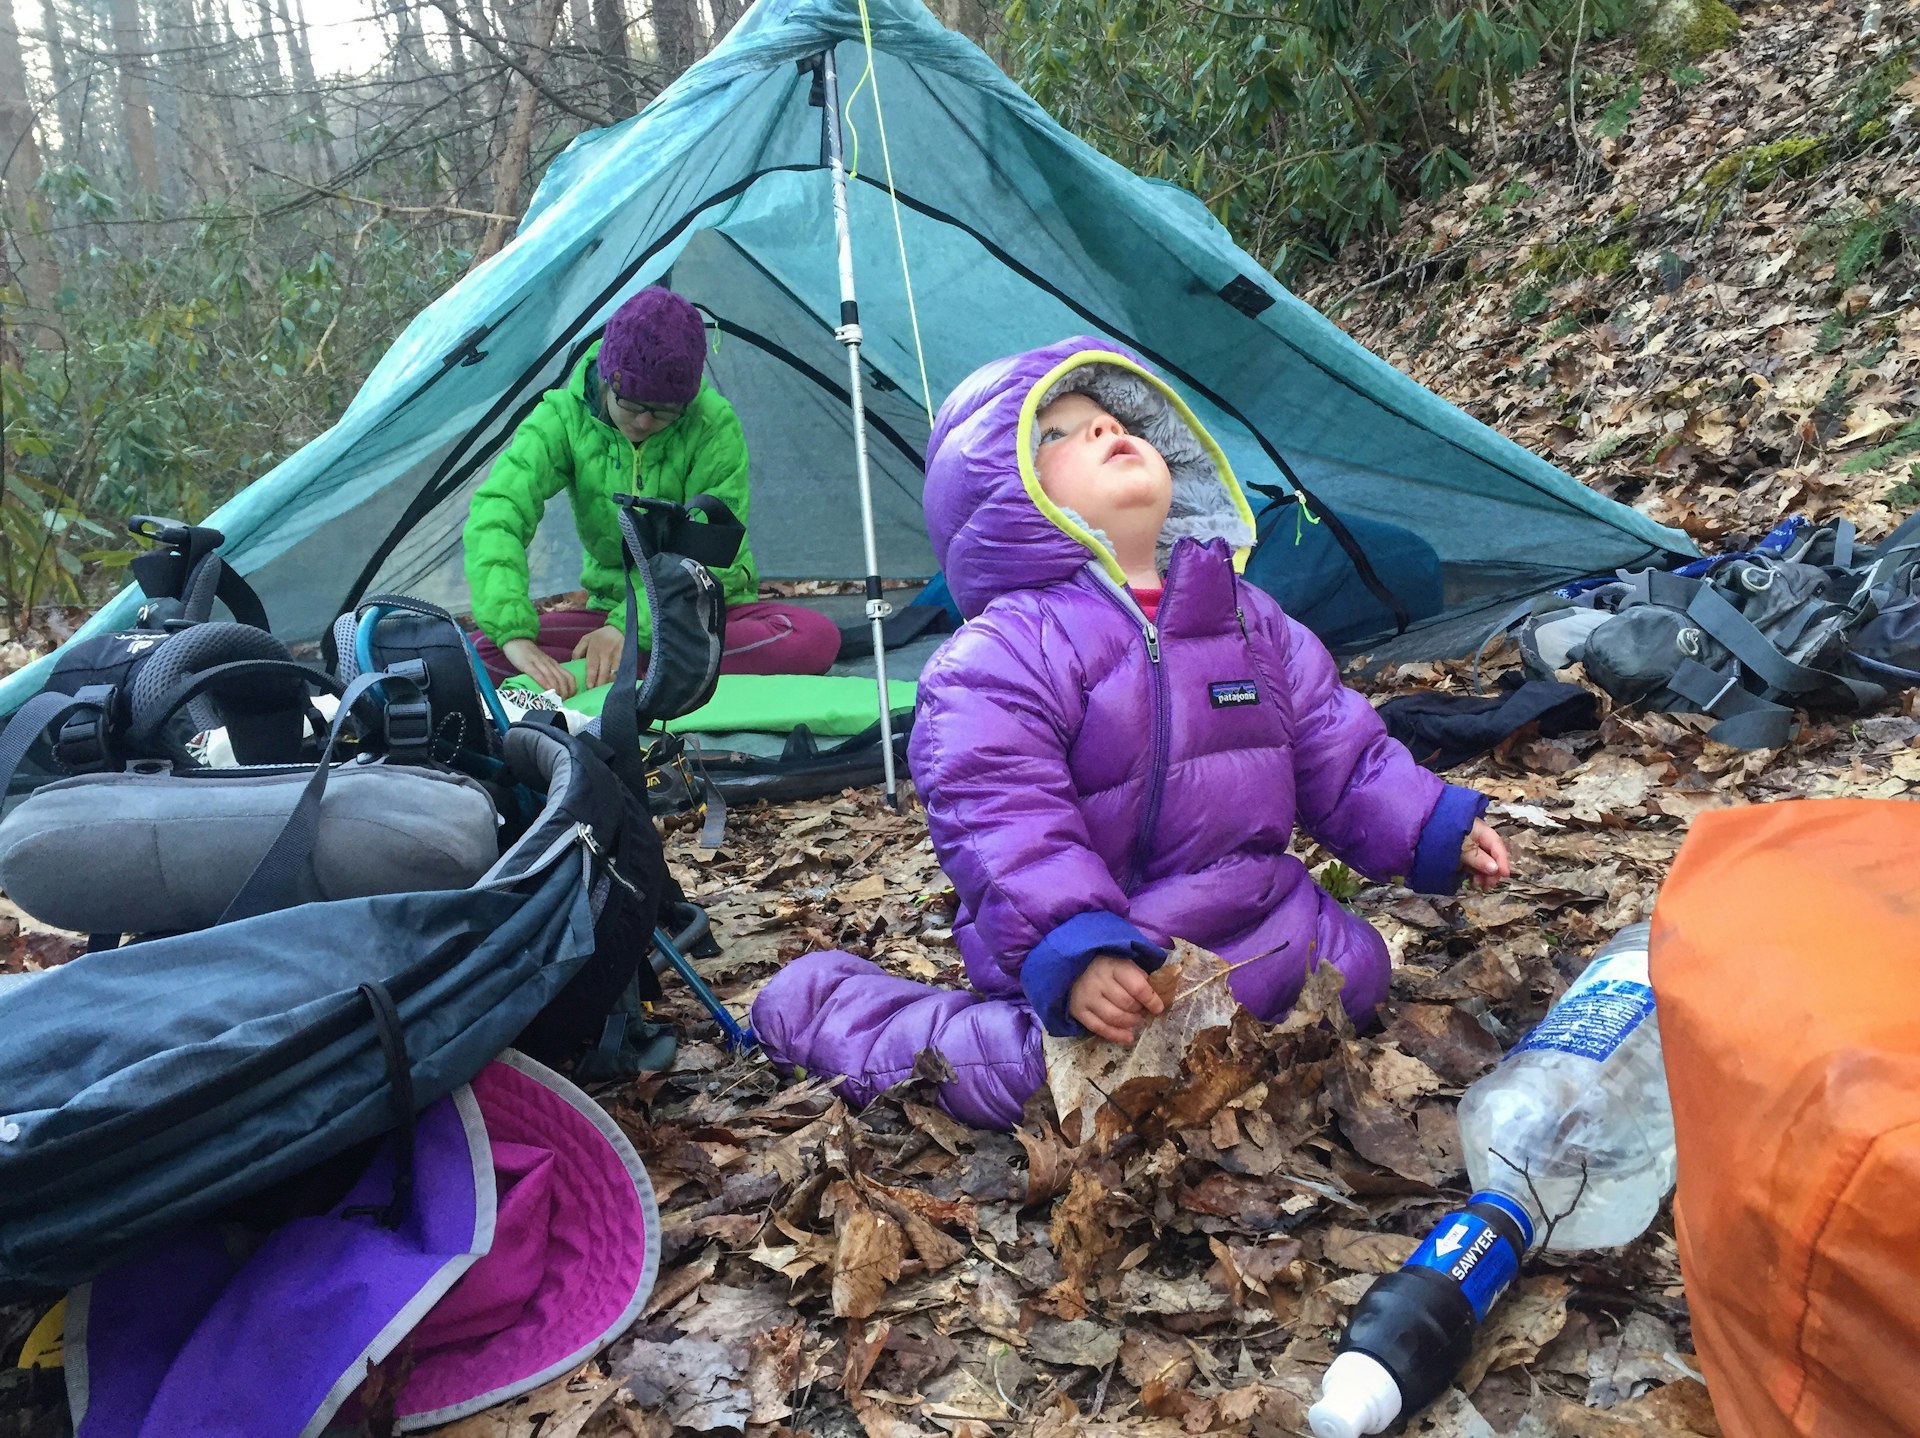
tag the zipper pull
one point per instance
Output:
(1153, 642)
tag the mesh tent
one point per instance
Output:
(1015, 234)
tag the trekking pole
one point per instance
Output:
(848, 333)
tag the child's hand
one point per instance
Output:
(601, 650)
(1111, 998)
(530, 660)
(1484, 855)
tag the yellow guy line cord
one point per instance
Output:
(899, 231)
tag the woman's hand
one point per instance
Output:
(1484, 855)
(1112, 998)
(601, 650)
(532, 661)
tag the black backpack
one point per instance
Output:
(1824, 623)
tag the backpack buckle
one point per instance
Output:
(81, 745)
(407, 725)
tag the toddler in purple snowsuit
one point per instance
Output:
(1114, 751)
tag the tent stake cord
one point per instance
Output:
(848, 333)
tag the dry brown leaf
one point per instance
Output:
(1521, 1324)
(773, 1373)
(1451, 1043)
(697, 1384)
(865, 1342)
(1081, 1239)
(1378, 1131)
(1049, 1164)
(868, 1250)
(1367, 1252)
(1117, 1083)
(556, 1409)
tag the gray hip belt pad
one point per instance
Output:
(137, 852)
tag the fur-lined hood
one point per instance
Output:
(994, 530)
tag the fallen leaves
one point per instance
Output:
(869, 1246)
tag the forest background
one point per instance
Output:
(218, 213)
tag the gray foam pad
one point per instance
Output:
(156, 852)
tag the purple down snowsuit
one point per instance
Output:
(1096, 783)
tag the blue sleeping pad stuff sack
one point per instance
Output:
(1299, 560)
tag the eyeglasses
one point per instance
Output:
(633, 409)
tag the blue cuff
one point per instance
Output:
(1058, 960)
(1436, 857)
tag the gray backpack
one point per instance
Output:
(1823, 624)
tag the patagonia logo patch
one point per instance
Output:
(1232, 693)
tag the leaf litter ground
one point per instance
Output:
(1170, 1242)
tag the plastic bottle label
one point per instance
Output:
(1466, 1248)
(1606, 1004)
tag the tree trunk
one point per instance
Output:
(39, 272)
(610, 21)
(513, 160)
(677, 35)
(969, 17)
(136, 112)
(270, 45)
(726, 14)
(66, 96)
(223, 126)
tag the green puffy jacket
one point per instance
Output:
(566, 444)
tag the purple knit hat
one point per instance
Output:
(654, 348)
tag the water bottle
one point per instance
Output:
(1569, 1144)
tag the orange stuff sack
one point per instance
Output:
(1786, 970)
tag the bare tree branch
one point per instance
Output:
(486, 42)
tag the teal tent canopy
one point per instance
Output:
(1013, 232)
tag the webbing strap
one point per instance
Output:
(34, 718)
(620, 714)
(213, 578)
(1843, 535)
(1717, 617)
(1746, 720)
(281, 866)
(393, 1048)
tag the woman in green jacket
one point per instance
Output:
(635, 418)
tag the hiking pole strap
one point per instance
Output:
(281, 867)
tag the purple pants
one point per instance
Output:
(762, 638)
(837, 1015)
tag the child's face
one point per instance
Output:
(1090, 464)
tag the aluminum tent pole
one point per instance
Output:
(848, 333)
